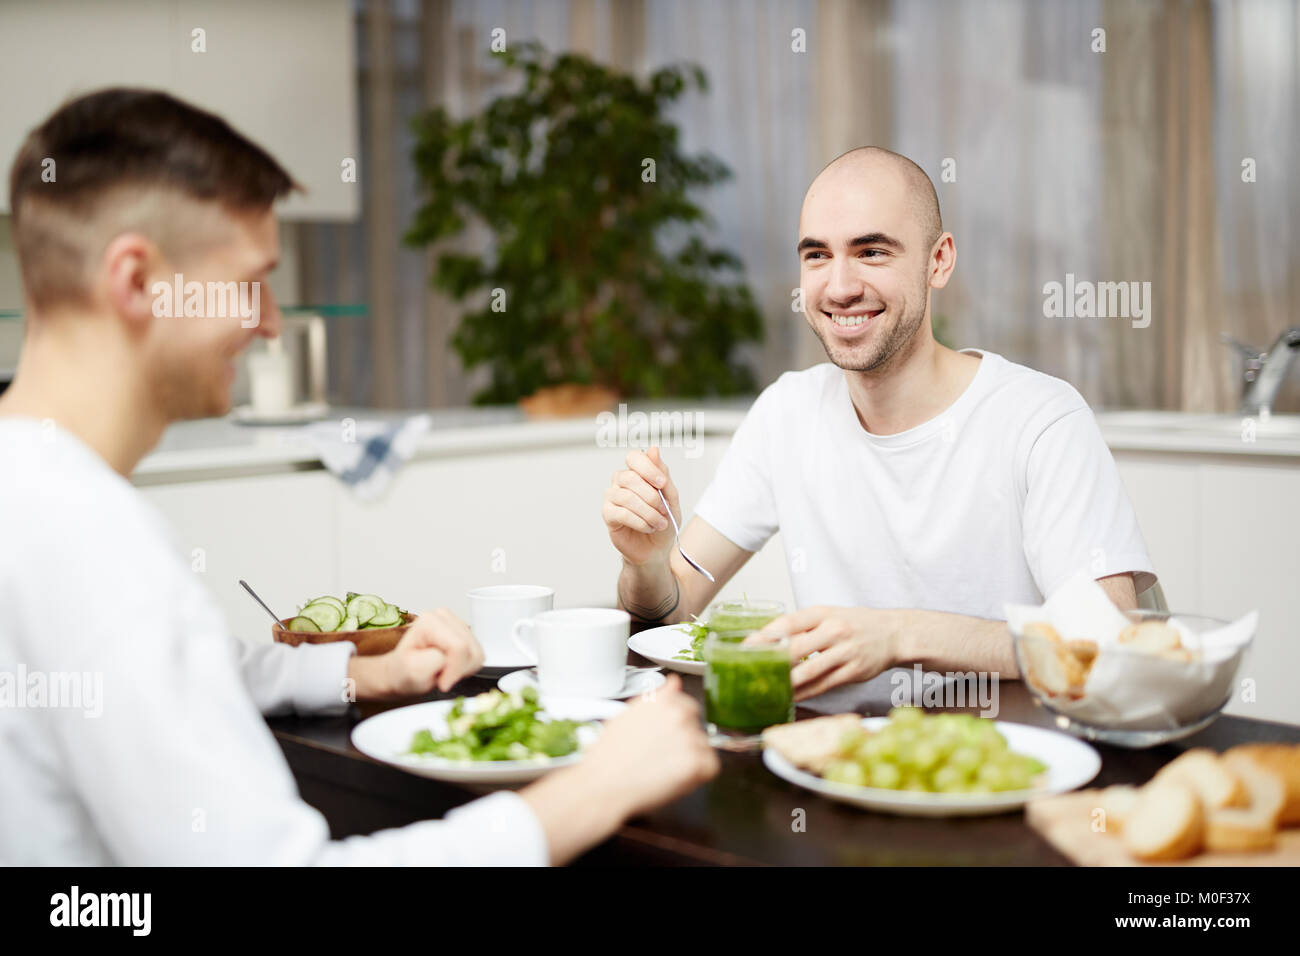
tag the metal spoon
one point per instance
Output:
(263, 603)
(689, 560)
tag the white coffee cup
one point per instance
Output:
(579, 652)
(494, 611)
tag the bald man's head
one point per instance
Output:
(874, 167)
(871, 246)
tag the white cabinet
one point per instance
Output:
(282, 73)
(277, 532)
(1250, 558)
(1224, 534)
(449, 524)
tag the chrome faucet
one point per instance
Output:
(1264, 371)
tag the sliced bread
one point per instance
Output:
(1166, 823)
(1117, 803)
(1151, 637)
(812, 744)
(1283, 760)
(1212, 779)
(1254, 826)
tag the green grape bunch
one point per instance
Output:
(932, 753)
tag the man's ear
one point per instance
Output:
(943, 257)
(129, 268)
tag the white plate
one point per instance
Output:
(1070, 764)
(387, 737)
(661, 643)
(297, 415)
(634, 684)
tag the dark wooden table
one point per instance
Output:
(746, 815)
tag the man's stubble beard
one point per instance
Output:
(187, 389)
(895, 342)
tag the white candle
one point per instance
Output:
(270, 376)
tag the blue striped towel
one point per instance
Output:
(365, 455)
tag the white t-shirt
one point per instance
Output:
(1001, 497)
(163, 757)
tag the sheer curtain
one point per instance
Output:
(1122, 165)
(1007, 95)
(1257, 117)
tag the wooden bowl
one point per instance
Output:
(373, 640)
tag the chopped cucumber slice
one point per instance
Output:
(327, 599)
(388, 617)
(326, 616)
(365, 606)
(359, 612)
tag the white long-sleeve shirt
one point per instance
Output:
(131, 727)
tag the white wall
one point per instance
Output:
(282, 73)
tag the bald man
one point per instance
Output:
(921, 487)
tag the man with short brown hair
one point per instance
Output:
(115, 197)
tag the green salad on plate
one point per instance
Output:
(499, 726)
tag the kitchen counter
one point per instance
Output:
(1188, 433)
(219, 447)
(222, 447)
(744, 815)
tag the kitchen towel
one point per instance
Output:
(365, 455)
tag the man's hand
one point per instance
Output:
(830, 646)
(638, 525)
(438, 650)
(653, 752)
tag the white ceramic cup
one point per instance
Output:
(579, 652)
(494, 611)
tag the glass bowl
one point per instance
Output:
(1134, 698)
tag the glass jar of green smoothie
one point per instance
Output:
(732, 619)
(747, 686)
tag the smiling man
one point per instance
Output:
(174, 764)
(922, 487)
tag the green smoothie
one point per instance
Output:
(731, 618)
(747, 686)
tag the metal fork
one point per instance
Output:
(689, 560)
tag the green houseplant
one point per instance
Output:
(595, 272)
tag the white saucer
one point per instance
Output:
(634, 685)
(510, 660)
(297, 415)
